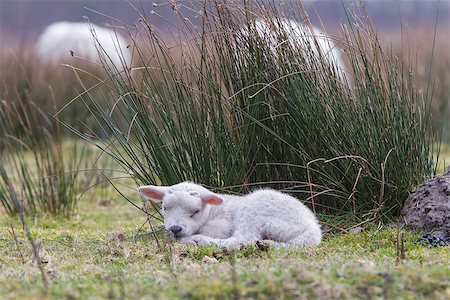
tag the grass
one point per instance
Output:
(231, 115)
(414, 36)
(44, 175)
(234, 114)
(92, 256)
(25, 77)
(259, 118)
(444, 160)
(43, 171)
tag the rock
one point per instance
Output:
(428, 207)
(433, 240)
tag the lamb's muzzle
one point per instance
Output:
(175, 229)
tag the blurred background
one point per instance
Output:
(25, 19)
(407, 27)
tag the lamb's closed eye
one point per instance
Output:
(195, 212)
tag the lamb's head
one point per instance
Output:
(184, 206)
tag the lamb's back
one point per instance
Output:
(269, 203)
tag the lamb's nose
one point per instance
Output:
(175, 229)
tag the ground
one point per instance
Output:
(93, 256)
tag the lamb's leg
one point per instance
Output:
(308, 238)
(198, 239)
(286, 234)
(233, 242)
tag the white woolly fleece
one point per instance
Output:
(85, 40)
(196, 215)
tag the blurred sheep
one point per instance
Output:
(299, 37)
(62, 40)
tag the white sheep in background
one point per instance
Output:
(62, 40)
(195, 214)
(299, 36)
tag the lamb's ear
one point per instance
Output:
(152, 192)
(211, 198)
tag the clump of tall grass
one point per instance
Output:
(41, 169)
(240, 111)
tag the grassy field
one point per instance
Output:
(233, 110)
(93, 255)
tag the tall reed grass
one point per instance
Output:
(240, 112)
(43, 173)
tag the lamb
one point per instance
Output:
(61, 40)
(194, 214)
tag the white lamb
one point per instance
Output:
(62, 40)
(196, 215)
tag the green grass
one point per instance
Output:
(444, 159)
(43, 174)
(239, 112)
(90, 256)
(210, 121)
